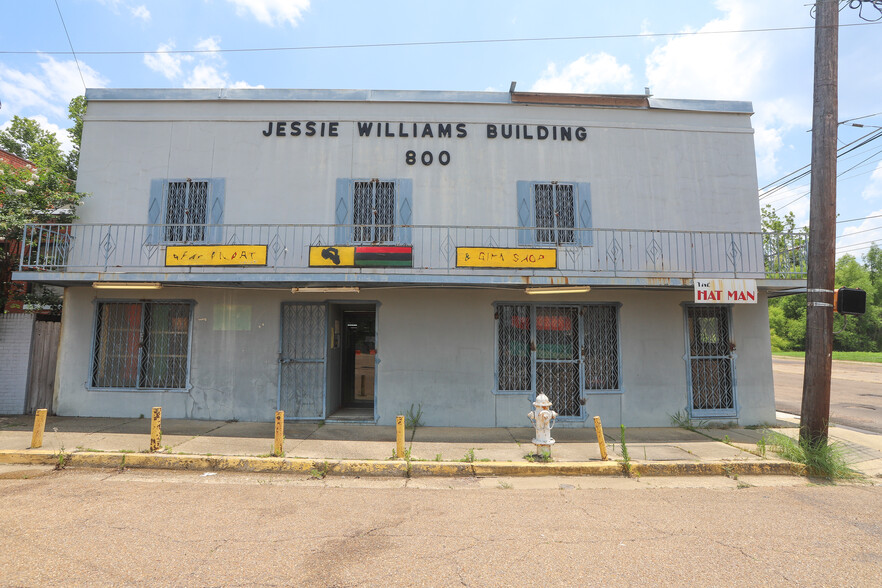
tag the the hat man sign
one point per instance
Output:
(725, 291)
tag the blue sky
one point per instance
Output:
(772, 69)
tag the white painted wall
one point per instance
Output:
(648, 169)
(435, 348)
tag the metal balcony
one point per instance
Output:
(80, 251)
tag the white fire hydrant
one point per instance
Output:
(543, 421)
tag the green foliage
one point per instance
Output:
(41, 193)
(787, 313)
(626, 458)
(820, 458)
(413, 418)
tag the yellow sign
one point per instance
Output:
(192, 255)
(332, 256)
(496, 257)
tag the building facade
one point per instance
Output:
(348, 255)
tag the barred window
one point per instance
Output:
(373, 211)
(558, 350)
(514, 364)
(186, 205)
(555, 213)
(141, 345)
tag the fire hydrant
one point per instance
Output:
(543, 421)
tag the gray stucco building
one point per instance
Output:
(348, 254)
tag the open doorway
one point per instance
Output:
(352, 376)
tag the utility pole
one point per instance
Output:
(815, 413)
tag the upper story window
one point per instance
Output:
(186, 206)
(186, 210)
(554, 213)
(374, 211)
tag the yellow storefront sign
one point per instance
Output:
(496, 257)
(192, 255)
(332, 256)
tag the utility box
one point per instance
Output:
(850, 301)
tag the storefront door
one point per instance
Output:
(302, 361)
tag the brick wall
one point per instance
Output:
(15, 347)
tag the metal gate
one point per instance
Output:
(302, 361)
(710, 362)
(557, 358)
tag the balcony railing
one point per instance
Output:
(123, 248)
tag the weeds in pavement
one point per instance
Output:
(682, 420)
(413, 418)
(437, 457)
(319, 471)
(543, 456)
(761, 446)
(821, 459)
(469, 456)
(61, 458)
(505, 486)
(626, 459)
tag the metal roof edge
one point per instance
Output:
(279, 94)
(732, 106)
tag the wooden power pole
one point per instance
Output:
(822, 228)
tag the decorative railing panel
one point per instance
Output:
(613, 252)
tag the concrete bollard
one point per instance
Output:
(598, 428)
(39, 427)
(156, 429)
(399, 436)
(278, 449)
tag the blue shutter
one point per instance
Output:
(154, 212)
(584, 218)
(343, 212)
(526, 213)
(404, 195)
(215, 217)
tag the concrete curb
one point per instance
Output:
(397, 469)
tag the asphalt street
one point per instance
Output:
(855, 391)
(106, 527)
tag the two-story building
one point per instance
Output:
(345, 255)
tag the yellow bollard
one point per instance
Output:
(156, 429)
(280, 433)
(39, 427)
(598, 428)
(399, 436)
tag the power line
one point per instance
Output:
(71, 44)
(851, 220)
(432, 43)
(858, 232)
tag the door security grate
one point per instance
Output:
(712, 377)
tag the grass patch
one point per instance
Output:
(821, 459)
(865, 356)
(543, 457)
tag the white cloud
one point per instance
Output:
(141, 12)
(168, 64)
(204, 70)
(273, 12)
(205, 76)
(591, 74)
(45, 92)
(874, 187)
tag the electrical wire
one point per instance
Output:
(74, 53)
(434, 43)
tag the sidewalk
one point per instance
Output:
(367, 449)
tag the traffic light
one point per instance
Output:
(850, 301)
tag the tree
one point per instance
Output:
(41, 193)
(76, 110)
